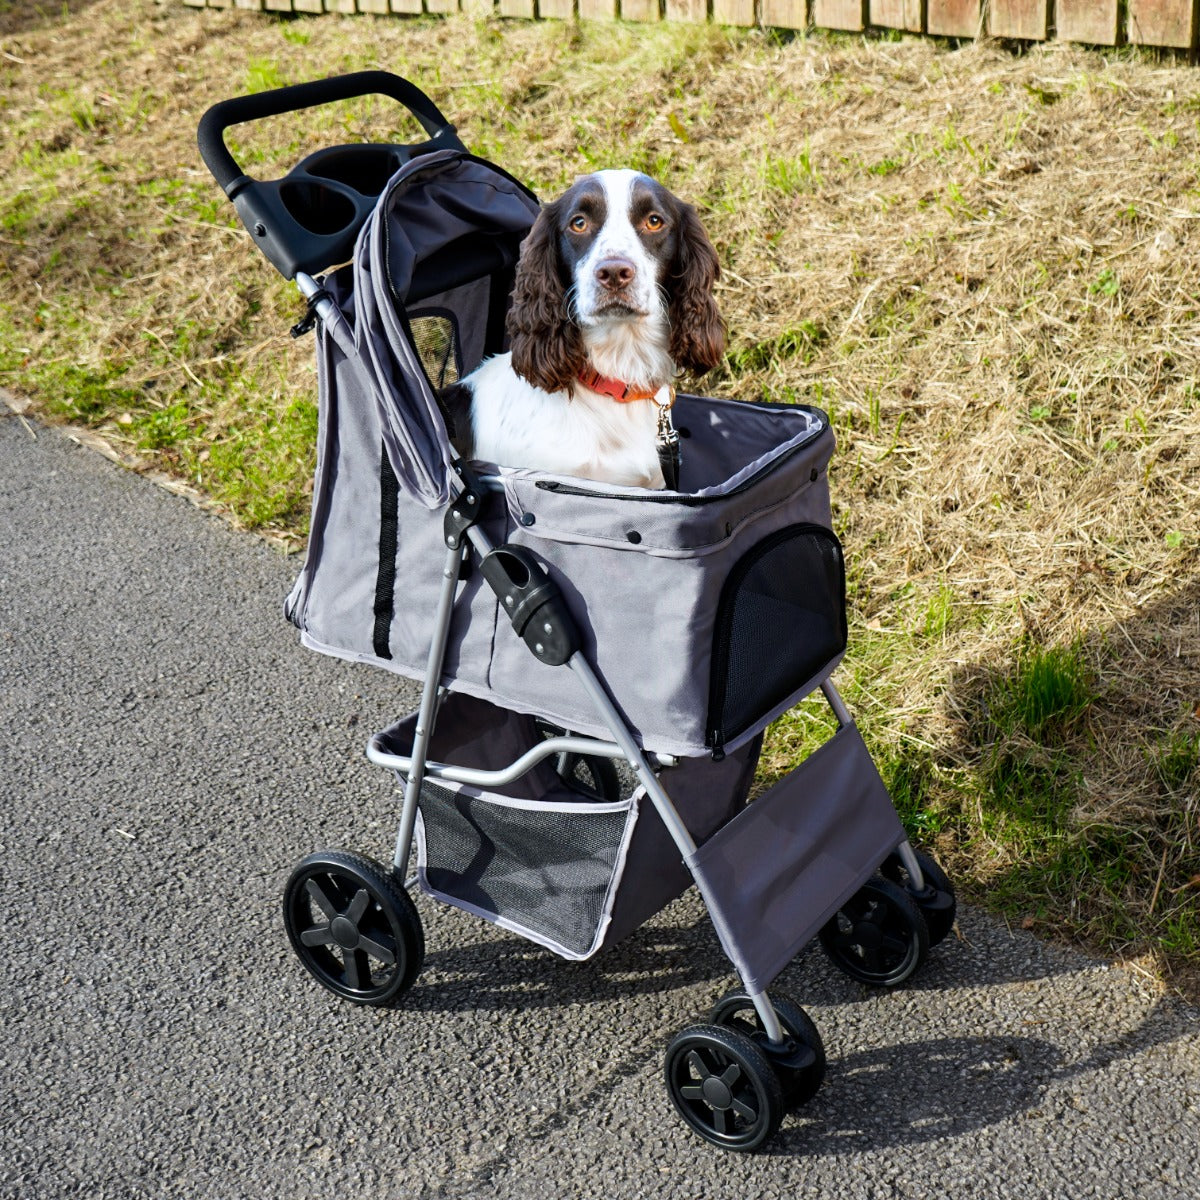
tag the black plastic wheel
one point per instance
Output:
(724, 1087)
(878, 936)
(936, 901)
(354, 927)
(800, 1065)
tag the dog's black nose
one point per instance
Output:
(614, 274)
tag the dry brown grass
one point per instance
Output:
(985, 266)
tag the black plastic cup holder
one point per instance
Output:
(366, 168)
(308, 220)
(317, 207)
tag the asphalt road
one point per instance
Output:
(168, 752)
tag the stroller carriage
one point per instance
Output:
(598, 663)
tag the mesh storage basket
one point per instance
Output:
(543, 857)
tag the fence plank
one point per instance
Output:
(839, 14)
(784, 14)
(516, 8)
(896, 14)
(558, 9)
(364, 6)
(953, 18)
(639, 10)
(598, 10)
(1026, 19)
(693, 11)
(733, 12)
(1160, 22)
(1090, 21)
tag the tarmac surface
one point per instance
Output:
(169, 752)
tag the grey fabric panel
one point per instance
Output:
(706, 795)
(776, 873)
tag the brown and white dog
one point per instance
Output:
(613, 299)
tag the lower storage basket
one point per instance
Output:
(542, 858)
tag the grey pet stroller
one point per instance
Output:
(598, 663)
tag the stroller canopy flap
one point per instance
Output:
(446, 222)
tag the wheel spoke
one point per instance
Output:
(378, 950)
(698, 1065)
(895, 945)
(351, 962)
(318, 897)
(318, 935)
(692, 1092)
(748, 1113)
(731, 1075)
(358, 906)
(721, 1119)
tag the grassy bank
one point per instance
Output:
(984, 266)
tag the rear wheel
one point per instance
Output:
(354, 927)
(878, 936)
(936, 900)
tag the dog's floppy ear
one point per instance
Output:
(697, 330)
(547, 347)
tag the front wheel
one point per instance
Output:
(354, 927)
(723, 1086)
(800, 1062)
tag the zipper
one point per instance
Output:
(716, 735)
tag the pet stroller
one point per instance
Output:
(598, 663)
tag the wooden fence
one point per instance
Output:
(1169, 23)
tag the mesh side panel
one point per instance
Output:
(781, 619)
(436, 343)
(546, 872)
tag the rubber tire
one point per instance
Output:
(359, 900)
(736, 1011)
(755, 1098)
(942, 910)
(879, 936)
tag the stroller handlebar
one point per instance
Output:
(309, 219)
(280, 101)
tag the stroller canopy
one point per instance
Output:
(433, 271)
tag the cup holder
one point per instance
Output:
(366, 168)
(317, 207)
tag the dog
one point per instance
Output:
(612, 300)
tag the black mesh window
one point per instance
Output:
(781, 619)
(435, 340)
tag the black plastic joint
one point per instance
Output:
(533, 602)
(464, 509)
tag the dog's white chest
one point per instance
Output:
(589, 435)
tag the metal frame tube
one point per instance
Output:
(490, 779)
(670, 818)
(916, 877)
(428, 710)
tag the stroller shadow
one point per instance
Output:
(907, 1094)
(504, 973)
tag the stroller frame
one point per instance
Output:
(729, 1079)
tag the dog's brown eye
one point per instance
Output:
(654, 222)
(578, 223)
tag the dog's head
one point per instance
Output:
(617, 249)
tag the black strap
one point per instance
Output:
(389, 532)
(669, 455)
